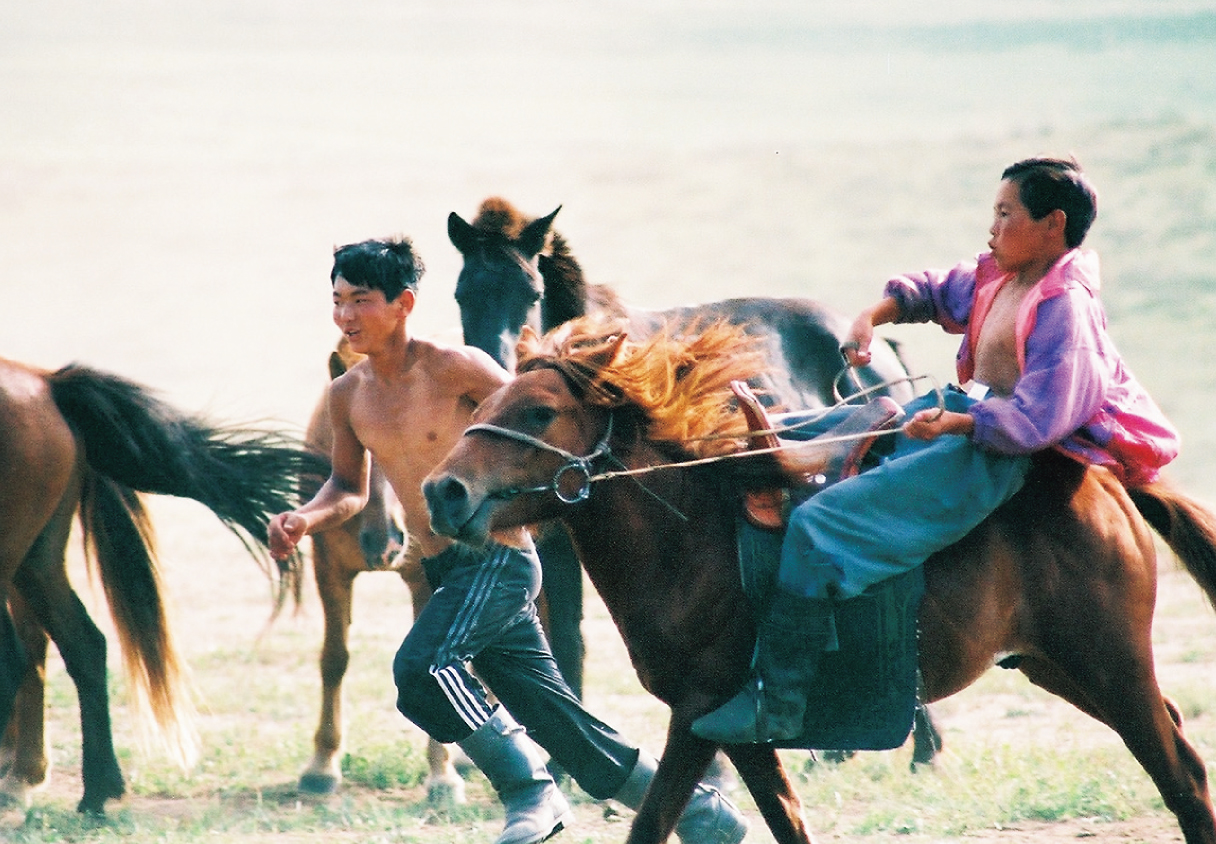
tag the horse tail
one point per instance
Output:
(1187, 527)
(244, 476)
(119, 541)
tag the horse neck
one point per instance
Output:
(633, 534)
(567, 293)
(565, 285)
(666, 580)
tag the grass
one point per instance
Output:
(1015, 756)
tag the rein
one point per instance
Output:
(582, 465)
(574, 463)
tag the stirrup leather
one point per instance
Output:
(803, 463)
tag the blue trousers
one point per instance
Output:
(483, 611)
(920, 498)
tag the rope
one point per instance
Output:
(820, 440)
(582, 465)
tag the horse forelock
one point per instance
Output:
(497, 216)
(679, 382)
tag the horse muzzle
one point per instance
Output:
(454, 512)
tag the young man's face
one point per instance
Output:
(1018, 242)
(365, 317)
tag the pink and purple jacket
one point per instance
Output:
(1074, 392)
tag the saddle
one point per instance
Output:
(865, 695)
(808, 465)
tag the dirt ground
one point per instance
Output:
(594, 824)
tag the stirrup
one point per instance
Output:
(823, 465)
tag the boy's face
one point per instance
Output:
(1018, 242)
(365, 317)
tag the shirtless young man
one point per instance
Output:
(1039, 371)
(407, 403)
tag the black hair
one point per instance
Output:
(390, 265)
(1045, 184)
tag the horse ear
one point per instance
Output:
(336, 365)
(604, 355)
(462, 235)
(342, 358)
(532, 240)
(528, 343)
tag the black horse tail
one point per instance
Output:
(1187, 527)
(244, 476)
(119, 536)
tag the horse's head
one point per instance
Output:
(537, 444)
(500, 284)
(532, 448)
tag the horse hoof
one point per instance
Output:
(91, 808)
(314, 783)
(445, 791)
(837, 757)
(16, 798)
(460, 760)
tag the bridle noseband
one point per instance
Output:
(574, 463)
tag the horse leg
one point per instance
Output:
(562, 579)
(1102, 662)
(685, 759)
(926, 738)
(335, 583)
(1121, 691)
(765, 778)
(43, 582)
(444, 785)
(13, 661)
(24, 755)
(13, 664)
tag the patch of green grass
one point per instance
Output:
(385, 767)
(981, 788)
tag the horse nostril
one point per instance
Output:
(452, 491)
(447, 491)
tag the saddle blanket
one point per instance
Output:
(865, 694)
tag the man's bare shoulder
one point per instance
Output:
(454, 354)
(346, 385)
(465, 366)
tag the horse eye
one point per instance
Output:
(538, 418)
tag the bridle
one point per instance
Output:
(580, 466)
(583, 467)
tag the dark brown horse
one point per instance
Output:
(1060, 581)
(374, 541)
(78, 441)
(518, 271)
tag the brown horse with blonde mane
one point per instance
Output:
(518, 270)
(629, 443)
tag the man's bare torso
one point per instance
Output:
(996, 358)
(411, 421)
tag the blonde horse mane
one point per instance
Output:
(679, 382)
